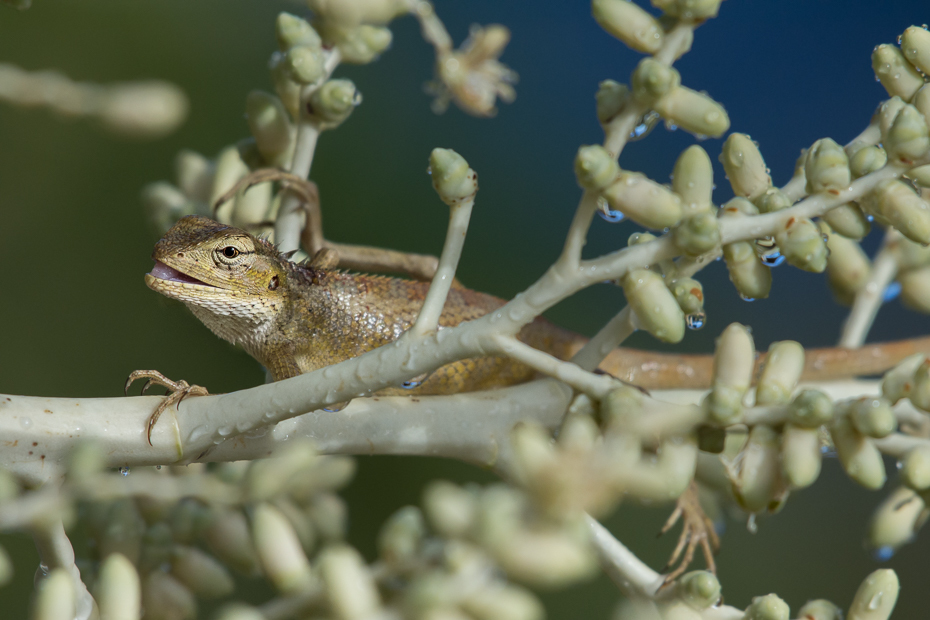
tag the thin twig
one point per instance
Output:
(870, 297)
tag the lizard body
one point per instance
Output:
(296, 318)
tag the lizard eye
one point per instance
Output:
(230, 252)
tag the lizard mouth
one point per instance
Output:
(164, 272)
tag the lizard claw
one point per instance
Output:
(697, 531)
(177, 391)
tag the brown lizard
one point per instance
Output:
(295, 318)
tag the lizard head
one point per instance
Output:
(227, 277)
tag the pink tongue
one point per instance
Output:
(164, 272)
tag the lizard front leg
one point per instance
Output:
(177, 391)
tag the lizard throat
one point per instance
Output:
(162, 271)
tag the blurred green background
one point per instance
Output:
(76, 318)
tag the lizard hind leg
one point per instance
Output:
(697, 531)
(177, 391)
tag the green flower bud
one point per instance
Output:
(908, 138)
(758, 477)
(453, 180)
(611, 96)
(502, 602)
(898, 76)
(142, 110)
(915, 45)
(284, 85)
(847, 220)
(873, 417)
(751, 278)
(689, 293)
(200, 572)
(734, 360)
(652, 80)
(768, 607)
(876, 597)
(810, 409)
(915, 469)
(848, 267)
(229, 169)
(334, 101)
(826, 167)
(800, 455)
(595, 167)
(692, 10)
(921, 101)
(820, 609)
(693, 180)
(621, 407)
(896, 521)
(858, 455)
(693, 111)
(780, 374)
(744, 166)
(919, 175)
(349, 586)
(165, 598)
(55, 597)
(122, 531)
(771, 200)
(657, 311)
(364, 44)
(271, 127)
(625, 20)
(700, 589)
(899, 381)
(640, 237)
(887, 112)
(449, 508)
(293, 31)
(896, 203)
(227, 536)
(697, 233)
(802, 244)
(305, 64)
(867, 159)
(401, 536)
(194, 174)
(644, 201)
(910, 255)
(915, 289)
(330, 515)
(920, 389)
(279, 551)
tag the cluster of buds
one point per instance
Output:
(164, 539)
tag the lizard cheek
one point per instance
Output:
(273, 284)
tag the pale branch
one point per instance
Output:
(609, 337)
(428, 317)
(290, 220)
(55, 551)
(870, 297)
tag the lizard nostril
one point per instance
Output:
(273, 284)
(180, 254)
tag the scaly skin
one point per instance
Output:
(294, 319)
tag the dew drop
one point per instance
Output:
(695, 320)
(744, 298)
(876, 601)
(891, 291)
(772, 259)
(751, 524)
(610, 215)
(883, 554)
(827, 452)
(158, 467)
(124, 471)
(336, 407)
(415, 381)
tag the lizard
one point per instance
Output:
(294, 318)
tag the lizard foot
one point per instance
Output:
(177, 391)
(697, 531)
